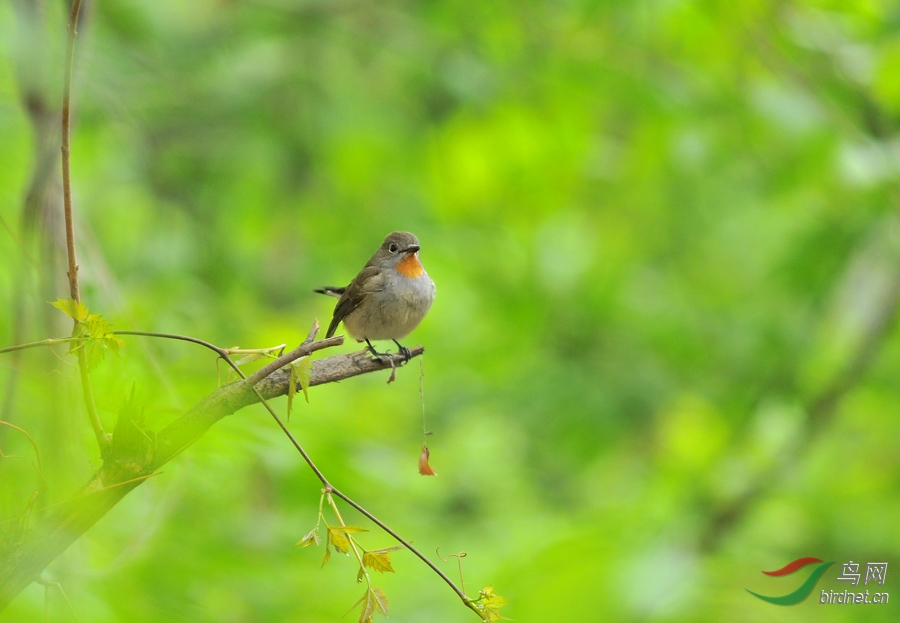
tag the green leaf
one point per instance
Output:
(365, 598)
(76, 310)
(381, 600)
(96, 351)
(95, 334)
(373, 600)
(368, 609)
(114, 343)
(300, 372)
(292, 389)
(312, 537)
(303, 367)
(379, 561)
(490, 603)
(96, 326)
(327, 549)
(340, 540)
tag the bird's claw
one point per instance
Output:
(389, 357)
(403, 350)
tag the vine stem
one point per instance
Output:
(306, 347)
(103, 440)
(72, 273)
(465, 599)
(47, 342)
(350, 538)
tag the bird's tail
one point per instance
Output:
(333, 326)
(335, 292)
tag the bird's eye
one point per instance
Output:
(393, 248)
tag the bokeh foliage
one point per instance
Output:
(665, 240)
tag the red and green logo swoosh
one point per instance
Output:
(795, 597)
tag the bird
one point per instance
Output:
(388, 298)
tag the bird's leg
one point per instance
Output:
(374, 352)
(380, 356)
(404, 351)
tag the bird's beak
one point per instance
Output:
(413, 248)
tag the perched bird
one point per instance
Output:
(388, 298)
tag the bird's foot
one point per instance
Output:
(382, 357)
(387, 357)
(407, 355)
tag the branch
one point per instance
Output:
(822, 406)
(329, 371)
(301, 351)
(103, 439)
(72, 273)
(47, 342)
(337, 368)
(820, 410)
(23, 561)
(348, 366)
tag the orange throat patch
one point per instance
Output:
(410, 266)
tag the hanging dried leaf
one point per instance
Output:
(424, 468)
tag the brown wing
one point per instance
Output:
(367, 281)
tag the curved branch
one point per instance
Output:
(23, 561)
(820, 410)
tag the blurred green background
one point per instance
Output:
(662, 357)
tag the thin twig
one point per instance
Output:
(174, 336)
(47, 342)
(330, 489)
(459, 558)
(328, 486)
(66, 131)
(22, 561)
(103, 440)
(350, 539)
(308, 346)
(301, 351)
(405, 544)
